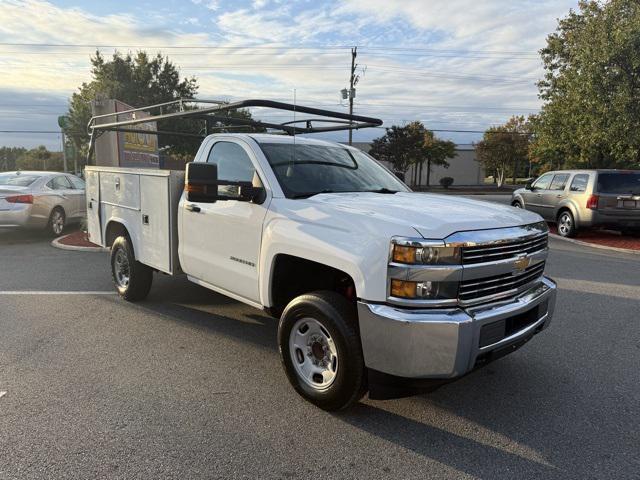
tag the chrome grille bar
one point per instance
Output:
(501, 285)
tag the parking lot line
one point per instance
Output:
(54, 292)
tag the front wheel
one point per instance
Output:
(320, 350)
(566, 224)
(131, 278)
(517, 204)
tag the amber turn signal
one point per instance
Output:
(404, 254)
(403, 289)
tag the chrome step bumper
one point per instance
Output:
(446, 343)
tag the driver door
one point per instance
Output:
(220, 242)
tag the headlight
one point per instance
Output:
(426, 290)
(425, 255)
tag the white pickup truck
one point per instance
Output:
(376, 288)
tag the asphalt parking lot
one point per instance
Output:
(188, 384)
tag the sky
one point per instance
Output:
(454, 64)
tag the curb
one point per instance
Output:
(56, 244)
(594, 245)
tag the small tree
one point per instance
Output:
(436, 152)
(503, 149)
(414, 145)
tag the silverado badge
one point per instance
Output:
(522, 263)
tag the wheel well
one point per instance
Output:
(114, 230)
(294, 276)
(565, 209)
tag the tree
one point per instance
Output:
(135, 80)
(591, 88)
(412, 145)
(504, 148)
(8, 157)
(436, 152)
(397, 146)
(40, 159)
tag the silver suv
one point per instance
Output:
(584, 198)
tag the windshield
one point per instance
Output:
(17, 180)
(619, 182)
(312, 169)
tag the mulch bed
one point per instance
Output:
(606, 238)
(77, 239)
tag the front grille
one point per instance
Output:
(503, 250)
(473, 291)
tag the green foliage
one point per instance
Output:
(504, 148)
(135, 80)
(412, 145)
(8, 157)
(591, 89)
(446, 182)
(40, 159)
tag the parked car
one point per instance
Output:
(48, 200)
(575, 199)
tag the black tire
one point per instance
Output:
(57, 222)
(517, 204)
(566, 224)
(338, 317)
(133, 279)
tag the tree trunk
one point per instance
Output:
(428, 172)
(515, 170)
(500, 177)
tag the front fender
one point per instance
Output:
(361, 257)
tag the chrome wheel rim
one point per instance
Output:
(313, 353)
(564, 225)
(57, 222)
(121, 268)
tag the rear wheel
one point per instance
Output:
(566, 224)
(57, 222)
(131, 278)
(320, 350)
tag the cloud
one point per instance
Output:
(460, 64)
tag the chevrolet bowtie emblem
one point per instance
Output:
(522, 263)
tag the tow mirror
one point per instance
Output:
(202, 185)
(201, 182)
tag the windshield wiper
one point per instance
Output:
(310, 194)
(382, 190)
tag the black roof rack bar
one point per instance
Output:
(180, 102)
(355, 121)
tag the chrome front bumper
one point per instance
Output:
(446, 343)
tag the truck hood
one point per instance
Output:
(432, 216)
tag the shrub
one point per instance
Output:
(446, 182)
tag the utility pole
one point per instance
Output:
(353, 80)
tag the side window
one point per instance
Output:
(579, 183)
(59, 183)
(559, 181)
(77, 183)
(543, 182)
(233, 165)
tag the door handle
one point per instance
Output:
(193, 208)
(559, 196)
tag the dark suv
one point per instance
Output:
(584, 198)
